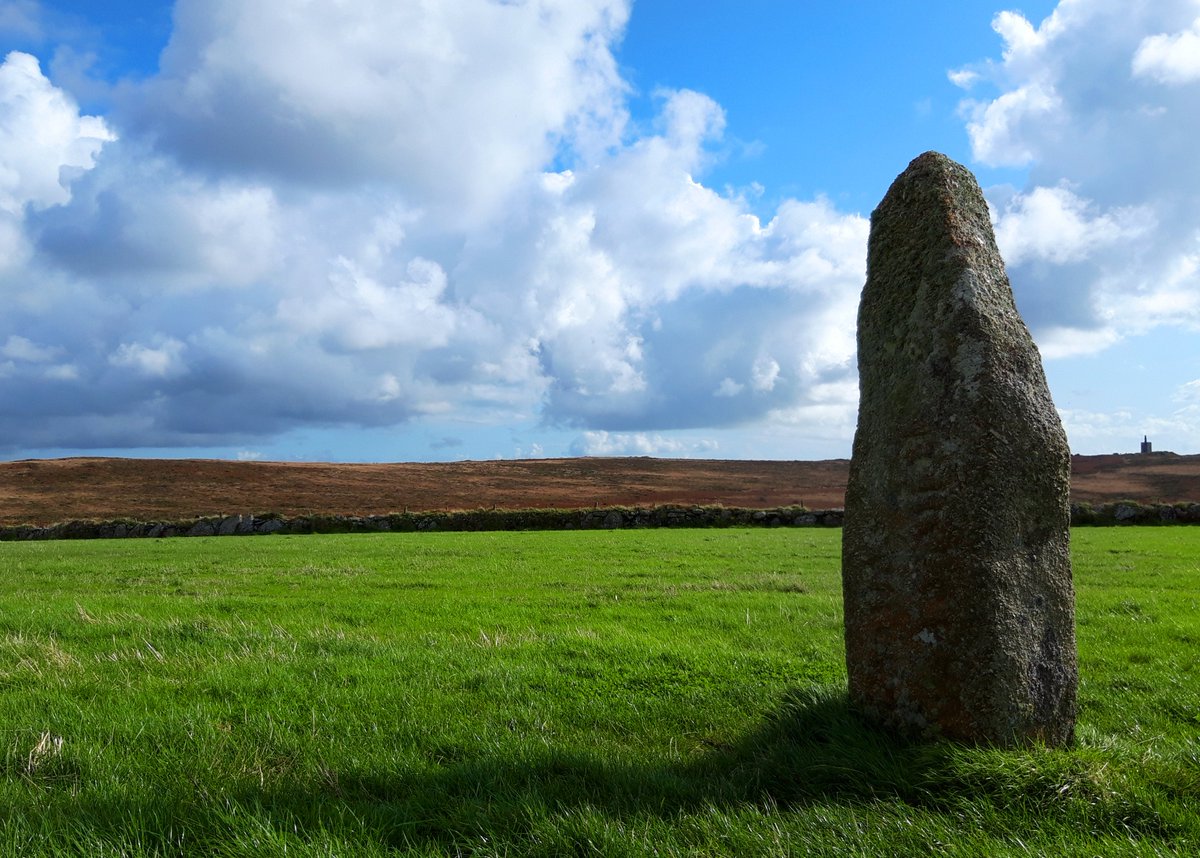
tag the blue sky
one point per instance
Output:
(381, 231)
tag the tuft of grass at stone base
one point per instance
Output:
(609, 693)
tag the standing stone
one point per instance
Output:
(956, 571)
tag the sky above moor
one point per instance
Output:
(384, 230)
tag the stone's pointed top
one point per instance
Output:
(933, 169)
(935, 200)
(936, 162)
(932, 166)
(931, 158)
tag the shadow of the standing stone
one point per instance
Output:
(814, 747)
(811, 748)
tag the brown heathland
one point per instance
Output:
(52, 490)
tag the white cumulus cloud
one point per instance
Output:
(23, 349)
(453, 102)
(1098, 102)
(44, 141)
(156, 361)
(1172, 58)
(1056, 225)
(639, 444)
(356, 311)
(998, 128)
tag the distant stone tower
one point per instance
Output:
(1147, 447)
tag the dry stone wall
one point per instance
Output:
(600, 518)
(1123, 513)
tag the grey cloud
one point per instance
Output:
(137, 218)
(699, 341)
(221, 398)
(1051, 295)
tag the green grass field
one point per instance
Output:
(610, 693)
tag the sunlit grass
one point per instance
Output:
(617, 692)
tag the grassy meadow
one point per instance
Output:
(665, 692)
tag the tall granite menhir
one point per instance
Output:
(956, 572)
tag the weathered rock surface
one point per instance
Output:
(956, 572)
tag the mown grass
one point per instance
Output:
(608, 693)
